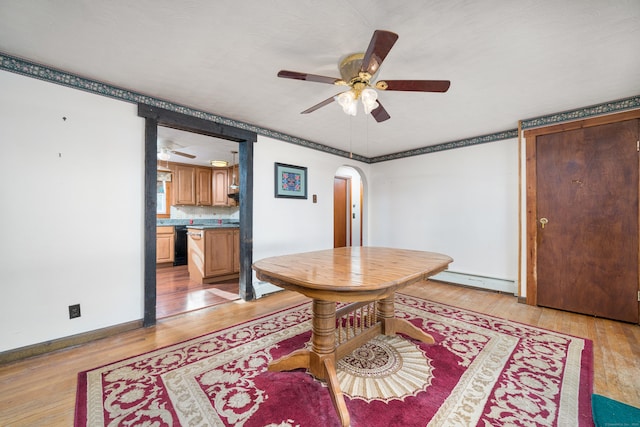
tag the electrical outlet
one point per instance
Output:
(74, 311)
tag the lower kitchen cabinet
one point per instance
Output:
(213, 254)
(236, 251)
(165, 242)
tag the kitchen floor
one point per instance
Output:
(176, 293)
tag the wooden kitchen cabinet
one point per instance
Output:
(204, 188)
(220, 187)
(236, 251)
(192, 185)
(219, 251)
(165, 243)
(213, 254)
(184, 184)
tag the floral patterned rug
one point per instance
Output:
(482, 371)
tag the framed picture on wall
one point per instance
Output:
(290, 181)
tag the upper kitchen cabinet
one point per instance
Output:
(220, 186)
(184, 184)
(204, 189)
(192, 185)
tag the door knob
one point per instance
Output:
(543, 221)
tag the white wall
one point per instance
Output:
(284, 226)
(462, 202)
(72, 211)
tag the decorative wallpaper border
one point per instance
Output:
(30, 69)
(511, 133)
(631, 103)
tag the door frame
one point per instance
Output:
(154, 117)
(531, 221)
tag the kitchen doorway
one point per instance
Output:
(155, 117)
(176, 291)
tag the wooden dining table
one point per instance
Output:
(366, 278)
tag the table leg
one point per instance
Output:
(298, 359)
(391, 325)
(321, 360)
(323, 349)
(323, 336)
(386, 314)
(408, 329)
(336, 393)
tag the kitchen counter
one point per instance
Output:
(208, 226)
(196, 221)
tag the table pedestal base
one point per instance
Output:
(321, 360)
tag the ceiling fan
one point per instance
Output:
(167, 147)
(357, 72)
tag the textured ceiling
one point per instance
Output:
(507, 60)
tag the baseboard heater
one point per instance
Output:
(502, 285)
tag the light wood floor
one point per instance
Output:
(41, 391)
(176, 293)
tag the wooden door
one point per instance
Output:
(340, 211)
(587, 220)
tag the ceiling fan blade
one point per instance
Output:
(379, 46)
(309, 77)
(179, 153)
(380, 114)
(319, 105)
(415, 85)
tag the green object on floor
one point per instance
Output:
(609, 413)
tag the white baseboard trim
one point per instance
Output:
(502, 285)
(264, 288)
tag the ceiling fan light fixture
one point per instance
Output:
(369, 100)
(347, 100)
(358, 70)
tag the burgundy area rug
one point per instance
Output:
(482, 371)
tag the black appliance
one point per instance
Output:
(180, 253)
